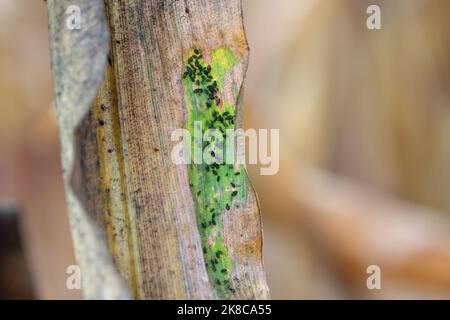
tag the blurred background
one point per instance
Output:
(364, 119)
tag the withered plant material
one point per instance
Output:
(143, 226)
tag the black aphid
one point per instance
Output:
(227, 206)
(234, 193)
(223, 270)
(233, 185)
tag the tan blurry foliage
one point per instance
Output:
(369, 104)
(30, 173)
(25, 83)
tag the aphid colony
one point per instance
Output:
(217, 187)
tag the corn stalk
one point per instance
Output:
(144, 227)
